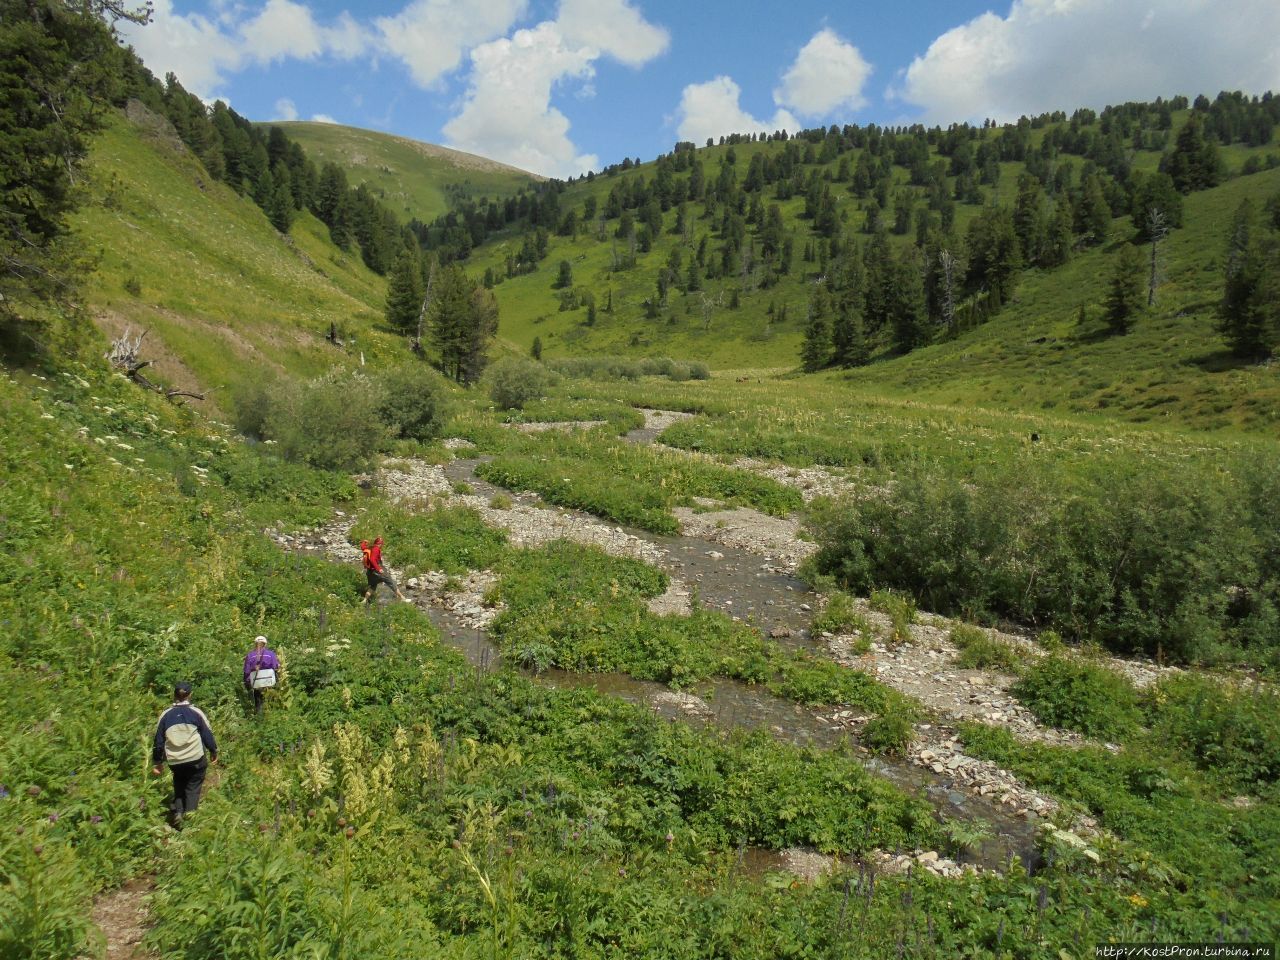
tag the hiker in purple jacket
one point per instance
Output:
(260, 667)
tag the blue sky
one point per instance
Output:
(562, 86)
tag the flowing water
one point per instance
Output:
(742, 584)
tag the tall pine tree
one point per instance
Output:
(1249, 313)
(405, 292)
(815, 352)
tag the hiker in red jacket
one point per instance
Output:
(374, 571)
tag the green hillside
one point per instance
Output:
(414, 179)
(225, 296)
(1173, 366)
(1030, 355)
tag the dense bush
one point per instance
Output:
(1078, 695)
(340, 420)
(514, 381)
(1133, 557)
(893, 730)
(628, 368)
(1227, 729)
(333, 422)
(415, 401)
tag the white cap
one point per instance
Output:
(259, 639)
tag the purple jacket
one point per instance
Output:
(266, 660)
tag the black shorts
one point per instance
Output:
(375, 578)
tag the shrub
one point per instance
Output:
(628, 368)
(415, 401)
(1081, 696)
(893, 729)
(1135, 558)
(514, 381)
(1226, 729)
(901, 611)
(250, 404)
(980, 650)
(841, 615)
(332, 422)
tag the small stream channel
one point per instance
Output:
(746, 586)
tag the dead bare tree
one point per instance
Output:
(1157, 230)
(125, 356)
(947, 260)
(708, 305)
(422, 313)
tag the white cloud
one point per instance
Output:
(614, 28)
(430, 36)
(322, 118)
(712, 109)
(286, 109)
(1059, 54)
(192, 46)
(507, 113)
(201, 52)
(282, 29)
(828, 73)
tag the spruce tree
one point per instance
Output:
(1249, 313)
(462, 318)
(1059, 238)
(564, 279)
(59, 69)
(1193, 163)
(906, 302)
(536, 350)
(279, 207)
(1124, 290)
(405, 292)
(815, 352)
(1093, 214)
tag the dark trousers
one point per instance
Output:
(257, 701)
(188, 778)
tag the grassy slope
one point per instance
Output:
(1172, 365)
(224, 295)
(1031, 357)
(414, 179)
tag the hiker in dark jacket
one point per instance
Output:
(185, 741)
(260, 668)
(374, 571)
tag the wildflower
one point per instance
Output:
(53, 816)
(670, 837)
(4, 794)
(38, 849)
(33, 791)
(350, 832)
(96, 818)
(1137, 899)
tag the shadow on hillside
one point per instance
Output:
(1221, 361)
(1093, 334)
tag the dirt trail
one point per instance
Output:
(121, 915)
